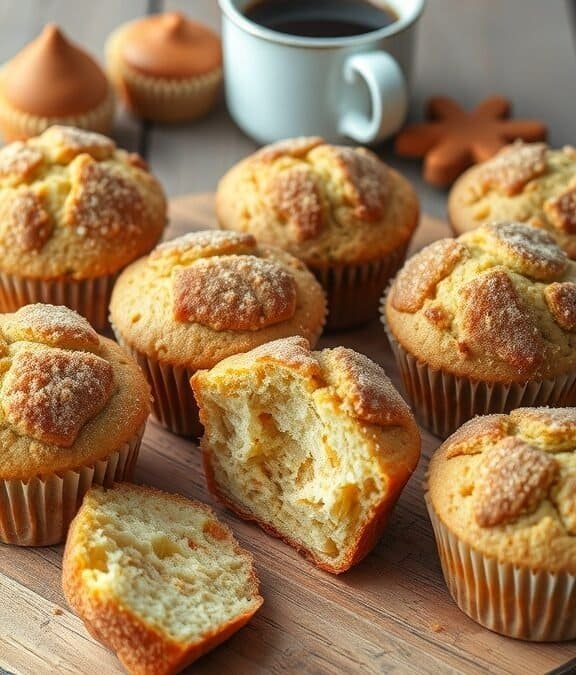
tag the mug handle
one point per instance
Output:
(388, 95)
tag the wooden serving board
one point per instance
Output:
(390, 614)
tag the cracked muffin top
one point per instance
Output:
(506, 485)
(496, 304)
(68, 396)
(529, 182)
(210, 294)
(73, 205)
(323, 203)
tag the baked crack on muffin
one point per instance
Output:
(313, 446)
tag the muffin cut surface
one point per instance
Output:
(156, 577)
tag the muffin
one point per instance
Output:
(500, 494)
(341, 210)
(165, 67)
(485, 323)
(529, 182)
(53, 81)
(74, 408)
(313, 446)
(156, 577)
(202, 297)
(74, 210)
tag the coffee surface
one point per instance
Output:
(321, 18)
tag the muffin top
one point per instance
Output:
(497, 304)
(204, 296)
(68, 396)
(506, 485)
(52, 77)
(169, 46)
(74, 206)
(323, 203)
(529, 182)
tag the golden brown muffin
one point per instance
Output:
(53, 81)
(341, 210)
(313, 446)
(165, 67)
(500, 493)
(529, 182)
(74, 210)
(72, 413)
(485, 323)
(202, 297)
(156, 577)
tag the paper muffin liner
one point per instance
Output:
(38, 511)
(442, 402)
(173, 403)
(515, 601)
(89, 297)
(354, 291)
(16, 124)
(161, 99)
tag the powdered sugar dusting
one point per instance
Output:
(235, 292)
(561, 210)
(18, 162)
(50, 394)
(292, 147)
(295, 196)
(65, 143)
(293, 352)
(513, 167)
(206, 243)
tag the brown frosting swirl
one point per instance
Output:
(52, 77)
(169, 45)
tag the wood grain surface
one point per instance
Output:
(390, 614)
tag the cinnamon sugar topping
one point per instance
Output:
(204, 244)
(513, 167)
(494, 315)
(561, 210)
(65, 143)
(295, 196)
(293, 147)
(551, 429)
(527, 250)
(513, 479)
(18, 161)
(294, 352)
(369, 180)
(421, 274)
(31, 225)
(233, 293)
(561, 301)
(101, 203)
(50, 394)
(477, 434)
(52, 325)
(364, 388)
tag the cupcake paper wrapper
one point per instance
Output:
(37, 512)
(442, 402)
(353, 291)
(89, 297)
(515, 601)
(16, 124)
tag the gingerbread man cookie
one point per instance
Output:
(453, 139)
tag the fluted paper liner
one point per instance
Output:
(442, 402)
(515, 601)
(89, 297)
(38, 511)
(353, 291)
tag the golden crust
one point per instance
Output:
(69, 396)
(485, 309)
(325, 204)
(285, 299)
(74, 206)
(235, 292)
(561, 301)
(513, 499)
(539, 189)
(142, 648)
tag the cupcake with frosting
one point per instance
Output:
(165, 67)
(53, 81)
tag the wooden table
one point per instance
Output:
(392, 613)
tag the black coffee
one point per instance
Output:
(321, 18)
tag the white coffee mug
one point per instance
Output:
(280, 85)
